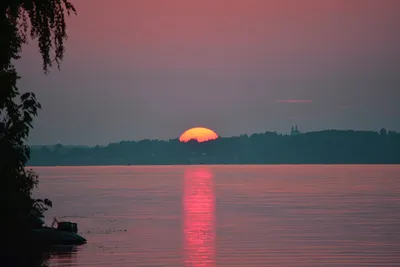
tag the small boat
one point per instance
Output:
(53, 237)
(66, 233)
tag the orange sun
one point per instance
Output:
(199, 134)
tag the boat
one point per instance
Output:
(53, 237)
(66, 233)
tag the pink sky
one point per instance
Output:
(153, 68)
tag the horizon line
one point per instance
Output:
(219, 137)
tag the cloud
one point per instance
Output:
(294, 101)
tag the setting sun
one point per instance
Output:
(199, 134)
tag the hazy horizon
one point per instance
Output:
(219, 136)
(142, 69)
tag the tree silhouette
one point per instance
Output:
(43, 20)
(323, 147)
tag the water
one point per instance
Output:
(245, 216)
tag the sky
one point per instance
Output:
(151, 69)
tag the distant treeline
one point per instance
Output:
(323, 147)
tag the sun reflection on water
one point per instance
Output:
(199, 210)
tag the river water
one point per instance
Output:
(247, 216)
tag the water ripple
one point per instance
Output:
(244, 216)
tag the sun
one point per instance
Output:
(200, 134)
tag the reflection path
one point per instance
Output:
(199, 208)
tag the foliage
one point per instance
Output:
(324, 147)
(43, 20)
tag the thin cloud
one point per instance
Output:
(294, 101)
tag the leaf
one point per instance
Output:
(25, 96)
